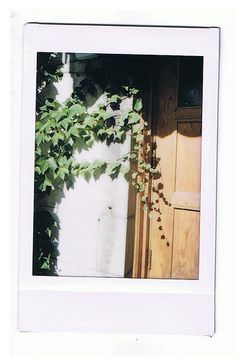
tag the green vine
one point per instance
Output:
(63, 128)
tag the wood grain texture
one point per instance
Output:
(169, 230)
(165, 137)
(186, 200)
(188, 113)
(188, 162)
(186, 245)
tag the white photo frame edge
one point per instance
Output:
(171, 306)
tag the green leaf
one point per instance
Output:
(62, 160)
(51, 104)
(76, 110)
(89, 121)
(139, 138)
(133, 91)
(45, 265)
(47, 183)
(52, 163)
(44, 115)
(98, 163)
(137, 127)
(39, 138)
(38, 170)
(55, 139)
(59, 115)
(61, 174)
(133, 117)
(138, 105)
(48, 231)
(113, 168)
(90, 142)
(104, 114)
(120, 134)
(124, 170)
(114, 98)
(123, 118)
(65, 123)
(44, 166)
(73, 131)
(43, 108)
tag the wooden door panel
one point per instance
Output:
(185, 262)
(186, 200)
(167, 235)
(188, 156)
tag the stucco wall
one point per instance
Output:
(92, 215)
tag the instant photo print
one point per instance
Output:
(118, 179)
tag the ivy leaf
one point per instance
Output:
(133, 117)
(113, 168)
(48, 231)
(51, 104)
(76, 110)
(39, 138)
(137, 127)
(43, 108)
(73, 131)
(90, 142)
(38, 170)
(89, 121)
(44, 115)
(38, 151)
(123, 118)
(138, 105)
(44, 166)
(98, 163)
(124, 170)
(65, 123)
(62, 160)
(56, 137)
(139, 138)
(52, 163)
(104, 114)
(45, 265)
(114, 98)
(59, 115)
(133, 91)
(48, 182)
(61, 174)
(120, 134)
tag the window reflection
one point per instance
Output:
(190, 81)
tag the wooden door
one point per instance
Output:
(167, 235)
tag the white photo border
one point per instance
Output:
(153, 306)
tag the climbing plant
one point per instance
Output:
(63, 128)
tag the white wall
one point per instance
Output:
(222, 345)
(92, 215)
